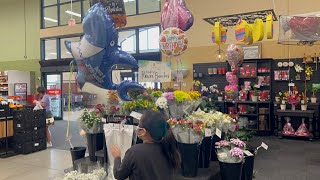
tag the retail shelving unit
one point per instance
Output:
(6, 131)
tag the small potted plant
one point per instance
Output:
(255, 94)
(283, 101)
(304, 105)
(314, 89)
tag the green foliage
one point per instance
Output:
(243, 134)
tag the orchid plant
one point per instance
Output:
(230, 152)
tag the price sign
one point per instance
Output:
(207, 132)
(218, 133)
(264, 146)
(136, 115)
(248, 153)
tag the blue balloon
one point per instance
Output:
(98, 52)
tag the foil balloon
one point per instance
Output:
(116, 9)
(176, 14)
(173, 42)
(231, 78)
(97, 53)
(235, 55)
(305, 28)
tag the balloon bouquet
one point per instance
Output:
(235, 56)
(97, 52)
(175, 20)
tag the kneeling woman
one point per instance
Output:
(155, 159)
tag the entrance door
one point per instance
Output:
(53, 86)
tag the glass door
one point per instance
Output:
(53, 86)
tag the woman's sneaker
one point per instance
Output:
(49, 144)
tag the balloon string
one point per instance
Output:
(69, 100)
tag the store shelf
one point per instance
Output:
(247, 77)
(248, 114)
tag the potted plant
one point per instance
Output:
(293, 98)
(314, 89)
(90, 123)
(255, 93)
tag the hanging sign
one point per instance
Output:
(53, 92)
(153, 71)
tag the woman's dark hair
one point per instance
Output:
(158, 128)
(41, 90)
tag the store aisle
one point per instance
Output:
(43, 165)
(58, 135)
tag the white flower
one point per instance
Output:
(162, 103)
(204, 89)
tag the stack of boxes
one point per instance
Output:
(29, 131)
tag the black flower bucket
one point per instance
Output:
(77, 153)
(248, 166)
(189, 159)
(230, 171)
(205, 152)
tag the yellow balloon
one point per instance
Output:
(269, 26)
(249, 40)
(258, 30)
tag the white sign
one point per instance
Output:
(248, 153)
(218, 133)
(136, 115)
(207, 132)
(154, 71)
(116, 76)
(264, 146)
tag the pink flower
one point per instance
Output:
(236, 152)
(169, 96)
(238, 143)
(222, 143)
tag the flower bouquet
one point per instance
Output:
(189, 136)
(293, 98)
(181, 103)
(90, 121)
(230, 92)
(113, 103)
(97, 174)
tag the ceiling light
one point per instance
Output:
(73, 13)
(68, 52)
(53, 53)
(50, 19)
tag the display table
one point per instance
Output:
(295, 113)
(211, 173)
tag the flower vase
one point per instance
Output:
(313, 100)
(77, 153)
(230, 171)
(254, 98)
(248, 166)
(189, 159)
(304, 107)
(205, 152)
(283, 107)
(293, 107)
(277, 99)
(94, 143)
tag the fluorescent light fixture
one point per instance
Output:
(68, 52)
(50, 19)
(73, 13)
(53, 53)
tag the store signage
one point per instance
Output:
(54, 91)
(152, 71)
(112, 6)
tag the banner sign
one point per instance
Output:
(154, 71)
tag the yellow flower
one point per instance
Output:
(194, 95)
(181, 96)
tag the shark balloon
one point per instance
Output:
(97, 53)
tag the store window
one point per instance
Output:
(127, 41)
(64, 52)
(147, 6)
(66, 13)
(49, 2)
(50, 48)
(86, 6)
(149, 39)
(50, 16)
(131, 7)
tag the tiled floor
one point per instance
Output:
(48, 164)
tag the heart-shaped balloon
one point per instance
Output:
(235, 55)
(176, 14)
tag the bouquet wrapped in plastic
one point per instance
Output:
(90, 121)
(181, 103)
(287, 128)
(187, 132)
(299, 29)
(230, 152)
(302, 130)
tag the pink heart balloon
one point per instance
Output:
(176, 14)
